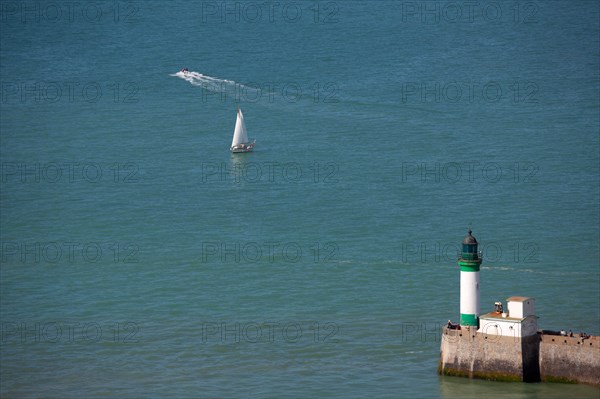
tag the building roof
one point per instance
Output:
(518, 299)
(498, 316)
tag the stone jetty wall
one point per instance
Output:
(534, 358)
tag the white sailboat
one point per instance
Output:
(240, 142)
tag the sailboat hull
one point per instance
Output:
(242, 148)
(239, 150)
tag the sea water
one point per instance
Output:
(140, 258)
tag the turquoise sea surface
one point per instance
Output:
(141, 259)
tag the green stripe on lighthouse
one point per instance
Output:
(469, 320)
(469, 266)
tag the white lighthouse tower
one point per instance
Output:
(469, 263)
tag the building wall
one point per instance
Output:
(507, 327)
(521, 309)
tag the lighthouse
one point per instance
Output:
(469, 263)
(505, 344)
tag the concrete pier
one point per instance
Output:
(533, 358)
(570, 359)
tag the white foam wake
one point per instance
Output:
(223, 86)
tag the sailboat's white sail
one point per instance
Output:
(240, 136)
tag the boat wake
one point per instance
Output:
(223, 86)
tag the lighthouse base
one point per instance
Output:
(467, 353)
